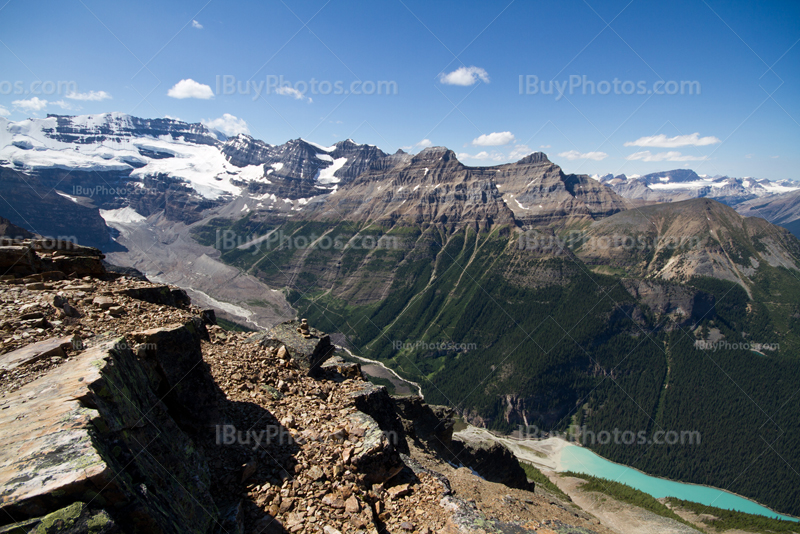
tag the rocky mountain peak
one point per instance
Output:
(534, 158)
(434, 155)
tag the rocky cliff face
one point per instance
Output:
(433, 187)
(538, 192)
(92, 129)
(782, 209)
(692, 238)
(39, 209)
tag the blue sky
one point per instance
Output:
(468, 75)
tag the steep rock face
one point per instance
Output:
(39, 209)
(88, 427)
(89, 129)
(538, 192)
(433, 187)
(297, 168)
(12, 231)
(692, 238)
(682, 304)
(359, 158)
(432, 426)
(243, 150)
(783, 209)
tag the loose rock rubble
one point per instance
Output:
(279, 438)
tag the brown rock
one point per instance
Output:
(396, 492)
(334, 501)
(352, 505)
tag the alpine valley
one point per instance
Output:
(516, 294)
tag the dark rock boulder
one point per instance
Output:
(178, 375)
(307, 353)
(492, 461)
(166, 295)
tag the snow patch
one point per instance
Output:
(125, 215)
(326, 176)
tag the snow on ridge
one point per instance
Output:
(325, 148)
(325, 157)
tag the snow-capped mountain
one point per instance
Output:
(114, 161)
(683, 184)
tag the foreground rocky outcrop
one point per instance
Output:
(126, 409)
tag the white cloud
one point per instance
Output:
(33, 104)
(228, 124)
(483, 155)
(574, 154)
(519, 152)
(662, 141)
(4, 112)
(425, 143)
(672, 155)
(189, 88)
(464, 76)
(94, 96)
(197, 25)
(494, 139)
(38, 104)
(62, 104)
(774, 157)
(294, 93)
(544, 146)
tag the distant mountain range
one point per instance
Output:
(683, 184)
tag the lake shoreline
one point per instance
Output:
(554, 461)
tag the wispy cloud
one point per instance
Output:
(494, 139)
(519, 152)
(189, 88)
(574, 154)
(672, 155)
(544, 146)
(197, 25)
(425, 143)
(294, 93)
(4, 112)
(95, 96)
(38, 104)
(228, 124)
(483, 155)
(662, 141)
(464, 76)
(32, 104)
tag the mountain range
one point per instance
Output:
(518, 294)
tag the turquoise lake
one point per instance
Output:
(582, 460)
